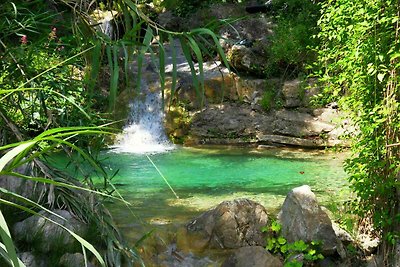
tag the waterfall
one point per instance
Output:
(107, 28)
(144, 132)
(104, 21)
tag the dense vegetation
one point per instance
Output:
(51, 58)
(358, 64)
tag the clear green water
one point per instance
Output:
(205, 177)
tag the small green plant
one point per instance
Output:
(267, 100)
(276, 243)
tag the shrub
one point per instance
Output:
(296, 23)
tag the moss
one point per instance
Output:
(177, 123)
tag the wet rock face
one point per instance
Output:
(44, 236)
(232, 224)
(303, 219)
(252, 256)
(242, 123)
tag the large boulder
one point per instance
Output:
(252, 257)
(232, 224)
(303, 219)
(45, 236)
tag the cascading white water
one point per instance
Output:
(104, 21)
(145, 131)
(107, 27)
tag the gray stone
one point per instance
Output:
(295, 141)
(23, 187)
(214, 12)
(241, 122)
(254, 256)
(31, 260)
(297, 93)
(232, 224)
(299, 124)
(73, 260)
(342, 234)
(374, 261)
(303, 219)
(173, 258)
(170, 22)
(245, 42)
(291, 91)
(46, 236)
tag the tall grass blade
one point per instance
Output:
(174, 68)
(94, 67)
(4, 255)
(144, 237)
(69, 99)
(82, 241)
(196, 49)
(14, 152)
(145, 46)
(110, 65)
(114, 77)
(162, 176)
(80, 151)
(61, 184)
(126, 64)
(55, 66)
(188, 56)
(216, 42)
(8, 243)
(28, 201)
(161, 54)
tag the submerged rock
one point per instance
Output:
(45, 236)
(303, 219)
(232, 224)
(252, 257)
(173, 258)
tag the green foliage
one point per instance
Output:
(51, 59)
(278, 244)
(271, 98)
(13, 158)
(185, 8)
(290, 52)
(267, 100)
(39, 52)
(358, 62)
